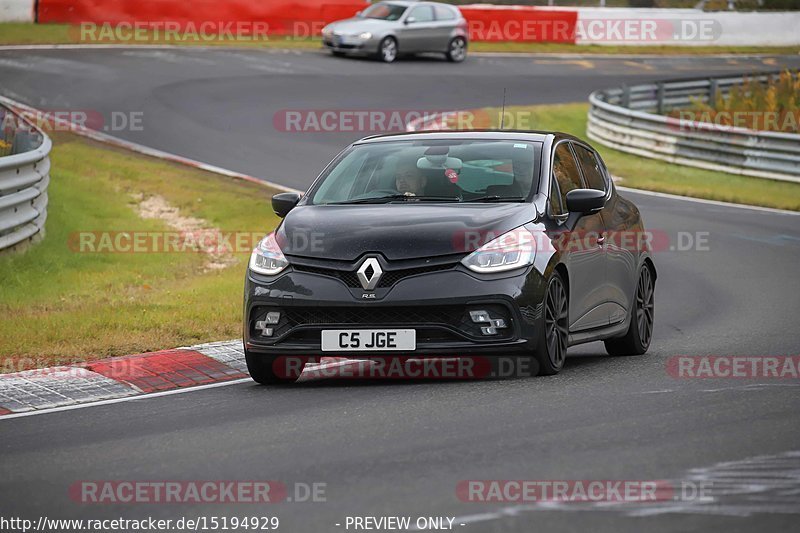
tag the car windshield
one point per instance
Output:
(435, 171)
(384, 11)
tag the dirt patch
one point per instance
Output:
(199, 233)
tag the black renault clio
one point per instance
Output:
(479, 243)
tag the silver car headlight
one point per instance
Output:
(511, 250)
(267, 257)
(365, 36)
(327, 31)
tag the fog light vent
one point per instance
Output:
(489, 325)
(268, 320)
(480, 316)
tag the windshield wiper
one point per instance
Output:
(495, 198)
(396, 197)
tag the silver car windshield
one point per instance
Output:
(384, 11)
(461, 170)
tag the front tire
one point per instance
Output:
(640, 332)
(387, 50)
(274, 369)
(457, 50)
(554, 340)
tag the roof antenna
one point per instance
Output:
(503, 113)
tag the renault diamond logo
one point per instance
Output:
(369, 273)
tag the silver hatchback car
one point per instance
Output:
(388, 29)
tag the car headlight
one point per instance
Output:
(365, 36)
(267, 257)
(515, 249)
(327, 31)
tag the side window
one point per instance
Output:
(444, 13)
(590, 166)
(566, 174)
(422, 13)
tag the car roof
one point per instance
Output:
(496, 135)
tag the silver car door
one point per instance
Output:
(418, 31)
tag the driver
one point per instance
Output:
(408, 180)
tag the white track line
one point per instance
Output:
(125, 399)
(709, 202)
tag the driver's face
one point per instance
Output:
(409, 181)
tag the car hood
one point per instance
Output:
(356, 25)
(397, 231)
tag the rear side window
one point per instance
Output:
(422, 13)
(592, 172)
(566, 176)
(444, 13)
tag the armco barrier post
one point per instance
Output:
(660, 98)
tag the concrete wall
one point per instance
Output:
(16, 10)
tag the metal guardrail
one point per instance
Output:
(630, 119)
(24, 177)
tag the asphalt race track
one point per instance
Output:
(400, 448)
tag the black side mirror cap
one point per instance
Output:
(284, 202)
(585, 201)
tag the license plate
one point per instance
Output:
(361, 340)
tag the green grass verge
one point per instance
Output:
(59, 305)
(652, 174)
(26, 33)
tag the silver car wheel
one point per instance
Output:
(388, 50)
(457, 51)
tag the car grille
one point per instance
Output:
(433, 323)
(389, 278)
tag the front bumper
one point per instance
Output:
(350, 45)
(435, 304)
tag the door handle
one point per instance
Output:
(601, 239)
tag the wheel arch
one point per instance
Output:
(561, 268)
(648, 262)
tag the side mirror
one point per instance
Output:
(585, 201)
(284, 202)
(582, 202)
(411, 20)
